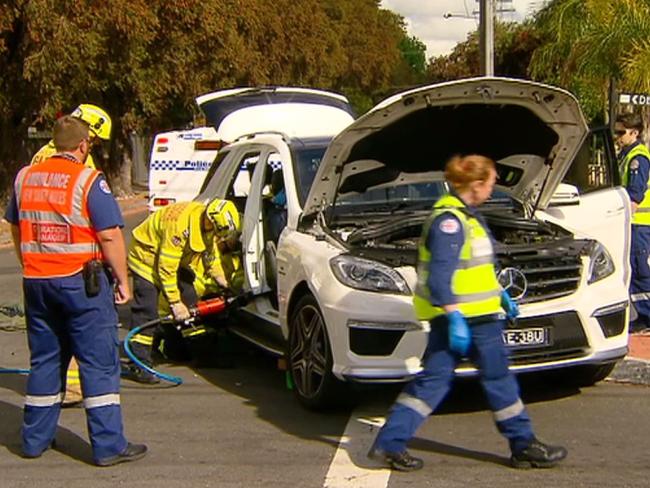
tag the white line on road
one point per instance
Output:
(350, 467)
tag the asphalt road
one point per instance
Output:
(240, 426)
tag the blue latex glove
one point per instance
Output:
(509, 306)
(460, 337)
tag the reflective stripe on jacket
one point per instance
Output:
(474, 283)
(167, 239)
(642, 214)
(56, 235)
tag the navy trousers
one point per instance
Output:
(424, 393)
(63, 321)
(640, 283)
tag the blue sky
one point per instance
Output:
(425, 19)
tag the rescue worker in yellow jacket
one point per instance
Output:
(99, 124)
(216, 272)
(167, 246)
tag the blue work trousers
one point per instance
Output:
(63, 321)
(427, 390)
(640, 283)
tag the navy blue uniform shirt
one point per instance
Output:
(638, 173)
(444, 241)
(103, 209)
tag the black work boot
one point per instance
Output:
(399, 461)
(131, 371)
(133, 452)
(538, 455)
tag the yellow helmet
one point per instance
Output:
(224, 216)
(98, 120)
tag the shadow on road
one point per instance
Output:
(67, 442)
(254, 377)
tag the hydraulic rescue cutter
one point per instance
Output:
(198, 313)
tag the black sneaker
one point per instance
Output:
(139, 375)
(399, 461)
(133, 452)
(538, 455)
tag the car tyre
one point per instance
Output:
(588, 375)
(310, 358)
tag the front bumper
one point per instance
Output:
(572, 344)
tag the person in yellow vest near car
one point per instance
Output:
(216, 272)
(459, 295)
(99, 124)
(634, 167)
(165, 247)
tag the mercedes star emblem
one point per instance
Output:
(514, 282)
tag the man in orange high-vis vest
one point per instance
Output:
(66, 226)
(99, 124)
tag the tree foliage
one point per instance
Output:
(514, 44)
(145, 61)
(587, 43)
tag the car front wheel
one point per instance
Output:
(310, 357)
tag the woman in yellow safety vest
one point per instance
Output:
(459, 295)
(634, 167)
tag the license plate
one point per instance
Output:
(537, 336)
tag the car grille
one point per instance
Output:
(549, 274)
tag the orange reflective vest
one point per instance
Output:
(56, 235)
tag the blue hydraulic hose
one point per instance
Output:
(152, 323)
(13, 371)
(172, 379)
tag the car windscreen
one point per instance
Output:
(219, 108)
(391, 198)
(411, 196)
(306, 160)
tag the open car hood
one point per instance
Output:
(532, 130)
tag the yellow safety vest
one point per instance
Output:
(48, 150)
(474, 283)
(642, 214)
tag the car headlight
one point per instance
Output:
(601, 264)
(364, 274)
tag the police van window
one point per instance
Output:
(221, 155)
(594, 167)
(240, 185)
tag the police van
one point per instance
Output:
(180, 159)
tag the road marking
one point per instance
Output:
(351, 467)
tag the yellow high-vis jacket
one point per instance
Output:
(49, 150)
(168, 239)
(205, 276)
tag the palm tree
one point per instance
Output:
(592, 43)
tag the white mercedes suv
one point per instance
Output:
(333, 292)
